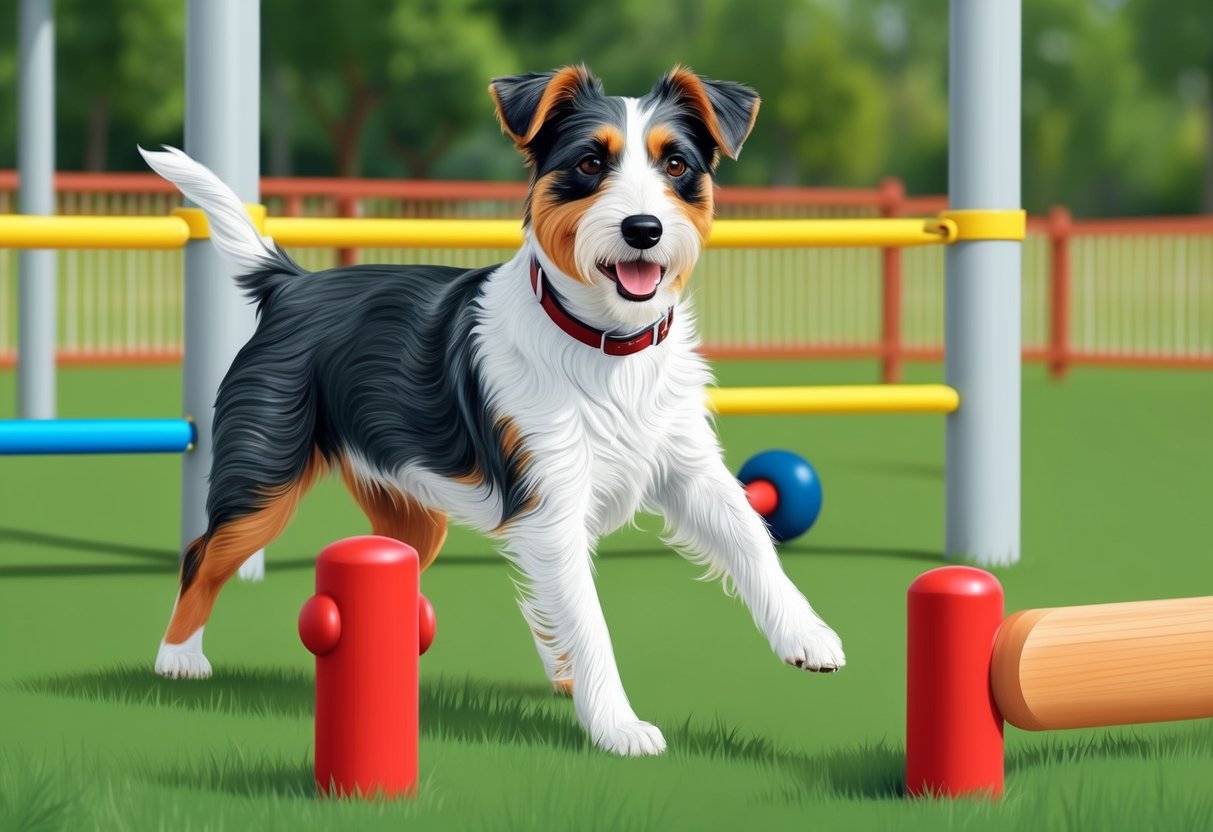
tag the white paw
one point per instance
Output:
(634, 738)
(185, 660)
(809, 644)
(253, 569)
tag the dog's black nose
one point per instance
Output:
(641, 230)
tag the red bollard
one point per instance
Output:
(953, 728)
(367, 624)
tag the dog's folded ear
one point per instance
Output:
(526, 102)
(726, 109)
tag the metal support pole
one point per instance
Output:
(38, 304)
(982, 317)
(222, 127)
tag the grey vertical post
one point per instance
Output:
(38, 305)
(982, 317)
(222, 127)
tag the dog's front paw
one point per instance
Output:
(634, 738)
(182, 661)
(810, 644)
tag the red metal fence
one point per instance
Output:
(1131, 292)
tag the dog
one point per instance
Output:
(542, 402)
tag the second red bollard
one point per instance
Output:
(953, 728)
(367, 624)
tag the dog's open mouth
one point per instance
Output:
(634, 279)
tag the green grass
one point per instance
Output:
(1118, 475)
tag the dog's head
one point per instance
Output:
(621, 188)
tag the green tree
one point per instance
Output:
(438, 77)
(1175, 49)
(826, 115)
(823, 117)
(8, 92)
(119, 72)
(406, 69)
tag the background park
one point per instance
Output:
(380, 108)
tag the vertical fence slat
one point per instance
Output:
(1059, 274)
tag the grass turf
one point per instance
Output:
(1118, 474)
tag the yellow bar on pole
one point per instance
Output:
(876, 398)
(411, 233)
(21, 231)
(322, 232)
(880, 233)
(29, 231)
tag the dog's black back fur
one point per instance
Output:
(378, 360)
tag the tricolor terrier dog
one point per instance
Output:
(542, 402)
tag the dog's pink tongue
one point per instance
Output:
(639, 277)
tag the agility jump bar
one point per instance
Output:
(185, 224)
(95, 436)
(875, 398)
(151, 436)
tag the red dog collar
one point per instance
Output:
(650, 336)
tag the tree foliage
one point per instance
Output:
(1117, 107)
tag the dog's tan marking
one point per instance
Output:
(700, 216)
(222, 553)
(511, 441)
(688, 83)
(562, 685)
(512, 449)
(562, 87)
(610, 138)
(555, 223)
(399, 516)
(658, 139)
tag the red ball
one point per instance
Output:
(426, 623)
(763, 496)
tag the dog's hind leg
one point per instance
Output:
(213, 559)
(398, 516)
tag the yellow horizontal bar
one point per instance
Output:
(876, 398)
(290, 231)
(200, 226)
(21, 231)
(882, 233)
(320, 232)
(32, 231)
(974, 224)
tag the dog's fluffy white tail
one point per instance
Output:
(232, 232)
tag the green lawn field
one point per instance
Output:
(1117, 505)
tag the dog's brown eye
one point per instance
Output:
(590, 166)
(675, 166)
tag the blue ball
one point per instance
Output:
(798, 487)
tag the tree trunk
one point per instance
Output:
(345, 131)
(348, 132)
(347, 141)
(419, 164)
(96, 148)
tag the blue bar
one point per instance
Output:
(94, 436)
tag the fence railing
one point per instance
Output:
(1108, 291)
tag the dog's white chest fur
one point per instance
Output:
(594, 425)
